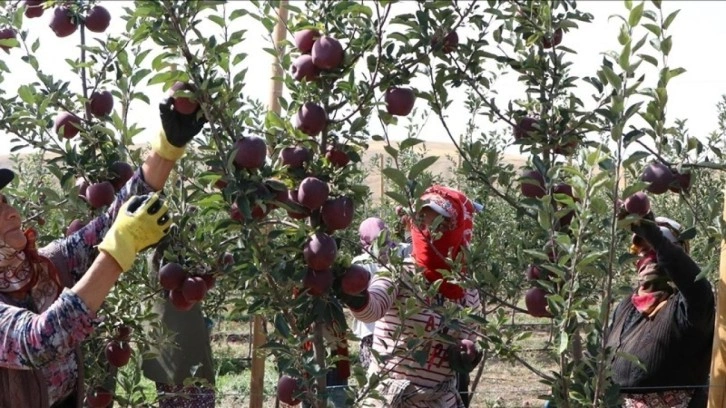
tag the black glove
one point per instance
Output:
(179, 128)
(647, 229)
(464, 356)
(354, 302)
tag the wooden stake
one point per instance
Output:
(717, 390)
(259, 338)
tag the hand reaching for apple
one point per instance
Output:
(352, 287)
(464, 356)
(179, 128)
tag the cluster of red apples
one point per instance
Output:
(118, 354)
(185, 290)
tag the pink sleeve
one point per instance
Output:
(29, 340)
(381, 294)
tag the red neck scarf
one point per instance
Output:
(432, 255)
(653, 287)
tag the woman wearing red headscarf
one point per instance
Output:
(441, 230)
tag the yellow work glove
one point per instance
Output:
(161, 146)
(141, 222)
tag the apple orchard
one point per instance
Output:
(267, 200)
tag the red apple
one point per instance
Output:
(638, 204)
(468, 350)
(180, 302)
(319, 251)
(399, 101)
(536, 301)
(34, 8)
(303, 68)
(194, 288)
(554, 40)
(118, 353)
(448, 44)
(304, 39)
(123, 332)
(292, 198)
(100, 194)
(337, 213)
(534, 272)
(532, 184)
(63, 22)
(318, 282)
(681, 182)
(184, 104)
(563, 188)
(68, 123)
(312, 193)
(101, 103)
(295, 157)
(172, 276)
(327, 53)
(336, 156)
(121, 172)
(98, 19)
(99, 397)
(74, 226)
(251, 152)
(209, 280)
(659, 177)
(7, 34)
(82, 185)
(355, 280)
(524, 127)
(311, 119)
(288, 390)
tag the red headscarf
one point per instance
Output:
(432, 255)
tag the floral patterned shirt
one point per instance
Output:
(46, 340)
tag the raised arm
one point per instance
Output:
(73, 254)
(30, 340)
(380, 297)
(682, 270)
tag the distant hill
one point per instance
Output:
(444, 166)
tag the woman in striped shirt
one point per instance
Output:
(412, 343)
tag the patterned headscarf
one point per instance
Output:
(431, 254)
(27, 271)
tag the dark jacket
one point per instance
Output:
(672, 348)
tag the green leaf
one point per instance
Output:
(670, 19)
(26, 94)
(396, 176)
(666, 45)
(391, 151)
(409, 142)
(635, 15)
(420, 166)
(649, 58)
(628, 4)
(675, 72)
(653, 28)
(612, 77)
(656, 3)
(564, 342)
(624, 60)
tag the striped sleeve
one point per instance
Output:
(473, 301)
(381, 294)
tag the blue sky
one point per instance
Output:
(697, 33)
